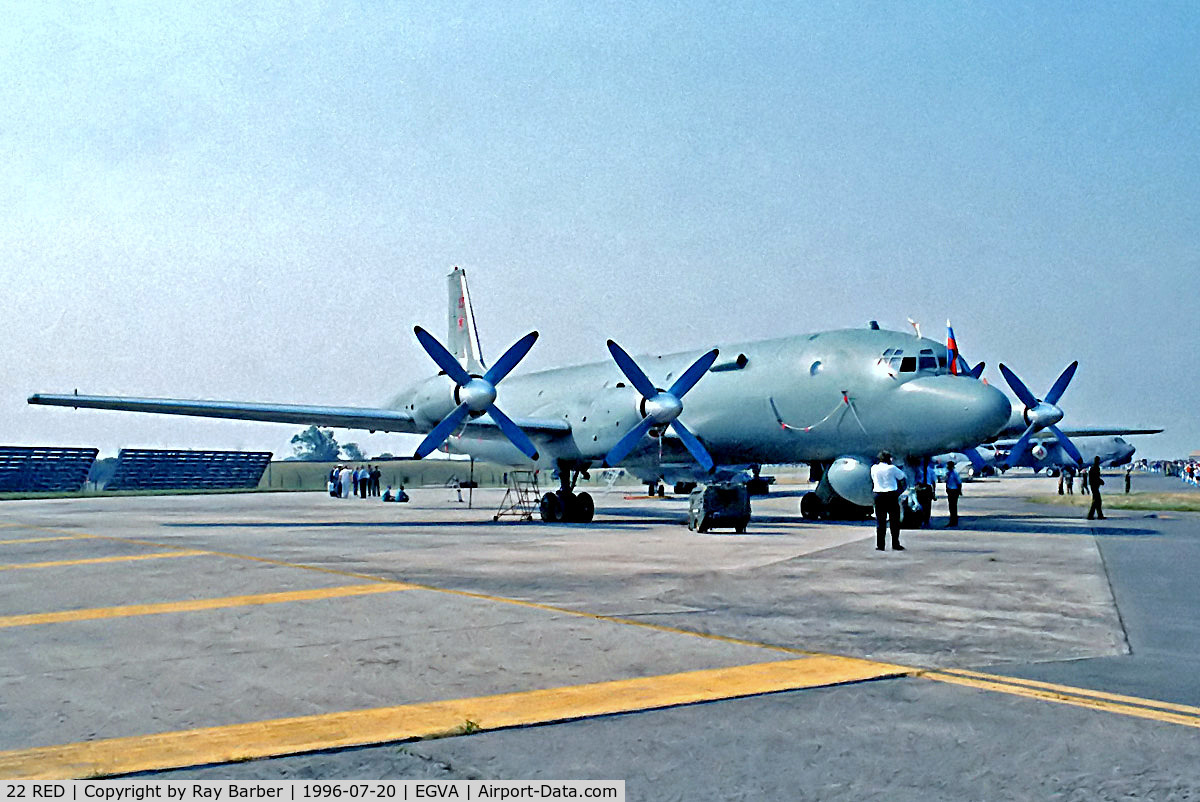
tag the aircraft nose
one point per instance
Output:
(960, 411)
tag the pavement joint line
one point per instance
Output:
(196, 605)
(1075, 691)
(102, 560)
(288, 736)
(38, 540)
(1072, 698)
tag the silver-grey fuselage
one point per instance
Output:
(793, 399)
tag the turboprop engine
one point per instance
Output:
(434, 399)
(850, 478)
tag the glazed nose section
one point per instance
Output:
(964, 411)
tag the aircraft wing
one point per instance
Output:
(1098, 431)
(381, 420)
(1046, 438)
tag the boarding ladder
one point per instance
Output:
(523, 498)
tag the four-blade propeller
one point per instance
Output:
(475, 394)
(1041, 413)
(660, 407)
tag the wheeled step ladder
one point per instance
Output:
(522, 498)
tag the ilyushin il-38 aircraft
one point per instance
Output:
(833, 398)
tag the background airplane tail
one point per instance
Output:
(462, 338)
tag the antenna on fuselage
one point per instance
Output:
(916, 326)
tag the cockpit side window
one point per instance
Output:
(908, 364)
(927, 360)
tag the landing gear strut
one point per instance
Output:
(564, 504)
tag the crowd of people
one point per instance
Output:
(362, 481)
(1186, 469)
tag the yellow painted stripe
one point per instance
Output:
(101, 560)
(389, 724)
(195, 605)
(38, 540)
(1074, 699)
(1071, 690)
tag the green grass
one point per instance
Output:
(1173, 502)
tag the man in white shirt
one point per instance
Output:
(886, 481)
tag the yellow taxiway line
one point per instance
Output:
(194, 605)
(38, 540)
(289, 736)
(1063, 694)
(101, 560)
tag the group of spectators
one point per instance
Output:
(1186, 469)
(362, 481)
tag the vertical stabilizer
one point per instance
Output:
(462, 339)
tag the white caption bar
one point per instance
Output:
(307, 791)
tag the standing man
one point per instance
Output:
(886, 479)
(953, 491)
(1128, 478)
(1094, 481)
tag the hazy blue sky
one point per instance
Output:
(258, 201)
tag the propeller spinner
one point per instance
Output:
(1041, 413)
(475, 394)
(660, 407)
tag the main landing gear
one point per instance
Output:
(564, 504)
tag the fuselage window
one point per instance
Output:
(908, 364)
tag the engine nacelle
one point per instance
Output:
(1038, 451)
(433, 399)
(850, 478)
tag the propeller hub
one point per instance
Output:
(478, 394)
(662, 408)
(1043, 415)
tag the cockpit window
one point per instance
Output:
(908, 364)
(926, 360)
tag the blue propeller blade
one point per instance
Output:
(515, 353)
(1018, 449)
(1027, 398)
(443, 430)
(693, 374)
(693, 445)
(976, 460)
(445, 360)
(1060, 386)
(513, 432)
(1067, 445)
(977, 371)
(626, 443)
(632, 371)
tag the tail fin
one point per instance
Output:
(462, 340)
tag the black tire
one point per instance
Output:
(585, 508)
(811, 507)
(550, 509)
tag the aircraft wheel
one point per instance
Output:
(585, 508)
(550, 509)
(811, 506)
